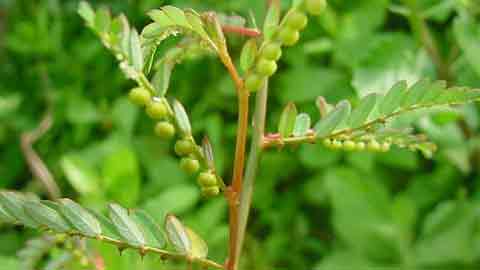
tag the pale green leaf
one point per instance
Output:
(126, 225)
(363, 110)
(13, 203)
(302, 125)
(135, 52)
(5, 217)
(416, 93)
(177, 16)
(80, 218)
(82, 177)
(108, 229)
(199, 248)
(272, 21)
(177, 234)
(287, 120)
(102, 20)
(46, 216)
(249, 53)
(182, 118)
(161, 18)
(392, 100)
(154, 236)
(467, 32)
(332, 120)
(86, 11)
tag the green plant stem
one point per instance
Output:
(251, 171)
(421, 30)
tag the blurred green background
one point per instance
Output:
(313, 208)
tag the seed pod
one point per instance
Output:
(360, 146)
(315, 7)
(373, 146)
(157, 110)
(184, 147)
(253, 82)
(288, 36)
(272, 51)
(207, 179)
(210, 191)
(189, 165)
(164, 130)
(349, 145)
(266, 67)
(297, 20)
(140, 96)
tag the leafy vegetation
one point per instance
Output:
(381, 80)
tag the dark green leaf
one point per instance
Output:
(302, 125)
(182, 118)
(80, 218)
(126, 225)
(287, 120)
(46, 216)
(361, 113)
(336, 117)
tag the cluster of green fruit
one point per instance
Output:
(158, 109)
(287, 34)
(349, 145)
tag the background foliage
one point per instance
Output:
(313, 208)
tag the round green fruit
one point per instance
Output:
(337, 144)
(315, 7)
(385, 147)
(207, 179)
(140, 96)
(349, 145)
(266, 67)
(373, 146)
(184, 147)
(289, 36)
(164, 130)
(272, 51)
(157, 110)
(189, 165)
(360, 146)
(253, 82)
(210, 191)
(327, 143)
(297, 20)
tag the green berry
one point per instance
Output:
(337, 144)
(157, 110)
(385, 147)
(297, 20)
(184, 147)
(373, 146)
(164, 130)
(349, 145)
(315, 7)
(327, 143)
(140, 96)
(272, 51)
(189, 165)
(360, 146)
(266, 67)
(288, 36)
(210, 191)
(253, 82)
(207, 179)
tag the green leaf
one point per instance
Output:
(102, 20)
(126, 225)
(249, 53)
(13, 203)
(332, 120)
(302, 125)
(182, 118)
(151, 230)
(207, 150)
(161, 80)
(86, 11)
(160, 17)
(177, 16)
(199, 248)
(392, 100)
(196, 24)
(363, 110)
(80, 218)
(287, 120)
(416, 93)
(5, 217)
(177, 235)
(82, 177)
(467, 33)
(135, 53)
(46, 216)
(272, 21)
(108, 229)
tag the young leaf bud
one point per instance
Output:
(164, 130)
(360, 146)
(140, 96)
(272, 51)
(210, 191)
(373, 146)
(157, 110)
(297, 20)
(266, 67)
(253, 82)
(349, 145)
(184, 147)
(288, 36)
(207, 179)
(189, 165)
(315, 7)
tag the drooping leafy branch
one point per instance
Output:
(367, 125)
(124, 228)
